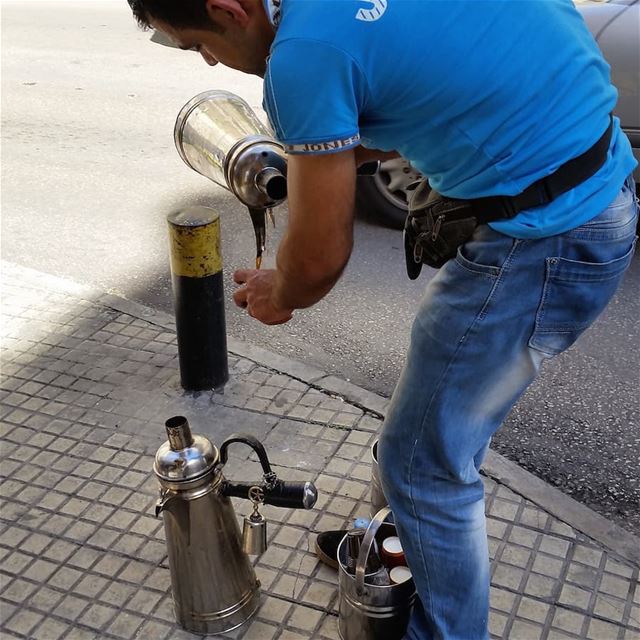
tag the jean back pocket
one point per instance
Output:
(574, 294)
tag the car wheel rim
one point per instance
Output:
(393, 178)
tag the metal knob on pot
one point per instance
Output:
(254, 526)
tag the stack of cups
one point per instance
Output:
(393, 558)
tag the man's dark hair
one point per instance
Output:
(183, 14)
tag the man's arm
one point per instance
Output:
(317, 243)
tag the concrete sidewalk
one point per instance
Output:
(88, 380)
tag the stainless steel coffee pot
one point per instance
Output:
(214, 586)
(218, 135)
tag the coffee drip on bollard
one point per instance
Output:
(218, 135)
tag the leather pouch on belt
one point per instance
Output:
(434, 229)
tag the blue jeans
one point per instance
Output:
(487, 321)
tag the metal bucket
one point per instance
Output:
(371, 612)
(378, 500)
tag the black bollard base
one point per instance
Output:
(201, 329)
(198, 291)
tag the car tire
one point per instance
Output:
(383, 197)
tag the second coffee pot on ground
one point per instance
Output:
(214, 586)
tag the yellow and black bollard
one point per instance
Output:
(198, 292)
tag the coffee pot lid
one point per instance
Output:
(184, 457)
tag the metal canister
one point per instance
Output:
(213, 584)
(218, 135)
(370, 611)
(378, 500)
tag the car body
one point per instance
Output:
(615, 24)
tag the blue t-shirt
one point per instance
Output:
(482, 96)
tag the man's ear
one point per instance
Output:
(234, 8)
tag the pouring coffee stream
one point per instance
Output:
(259, 221)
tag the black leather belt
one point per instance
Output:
(566, 177)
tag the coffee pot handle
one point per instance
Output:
(288, 495)
(365, 547)
(292, 495)
(254, 443)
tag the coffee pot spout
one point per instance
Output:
(164, 502)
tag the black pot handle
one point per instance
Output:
(289, 495)
(254, 443)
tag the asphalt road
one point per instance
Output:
(90, 173)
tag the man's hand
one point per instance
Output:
(254, 295)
